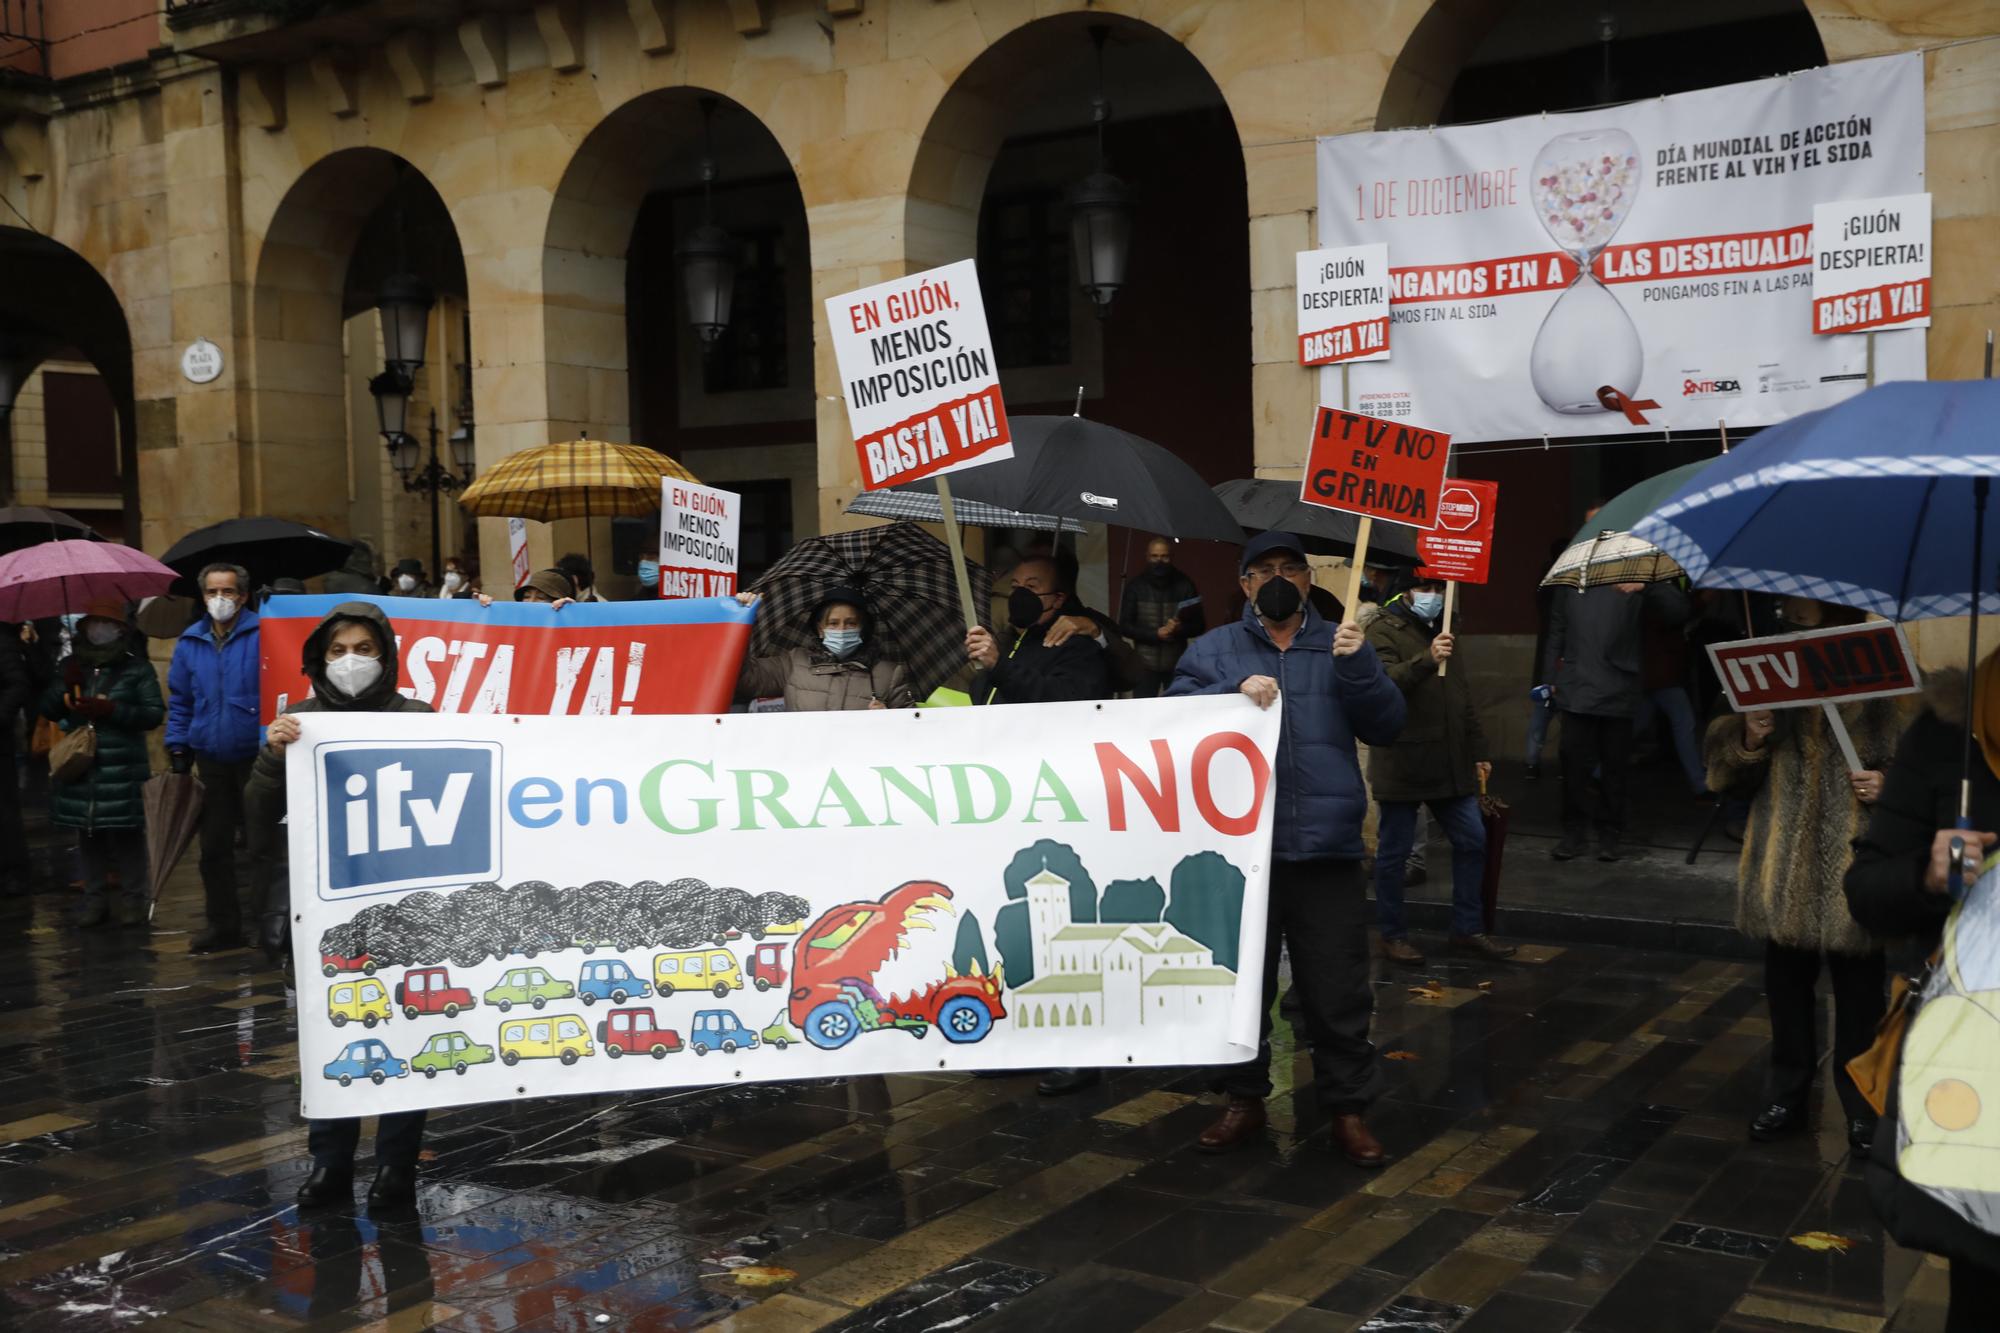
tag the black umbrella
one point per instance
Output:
(270, 548)
(1074, 468)
(1266, 505)
(22, 526)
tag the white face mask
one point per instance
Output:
(405, 582)
(452, 580)
(221, 608)
(102, 632)
(353, 674)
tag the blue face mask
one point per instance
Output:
(649, 573)
(841, 642)
(1428, 605)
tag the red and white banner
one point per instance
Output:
(1822, 666)
(1555, 274)
(1343, 305)
(1872, 264)
(698, 539)
(920, 379)
(588, 659)
(1460, 548)
(1389, 470)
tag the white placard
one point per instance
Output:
(1872, 264)
(698, 539)
(1343, 298)
(201, 361)
(517, 548)
(919, 377)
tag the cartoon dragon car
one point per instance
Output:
(837, 960)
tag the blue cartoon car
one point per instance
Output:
(720, 1030)
(369, 1059)
(610, 979)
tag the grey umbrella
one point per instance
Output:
(1268, 505)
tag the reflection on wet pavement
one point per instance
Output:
(1565, 1136)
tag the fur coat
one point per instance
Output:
(1803, 818)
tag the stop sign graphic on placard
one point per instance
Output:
(1460, 548)
(1458, 508)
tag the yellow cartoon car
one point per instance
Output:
(365, 1002)
(697, 969)
(557, 1037)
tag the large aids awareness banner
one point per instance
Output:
(589, 658)
(1626, 269)
(491, 908)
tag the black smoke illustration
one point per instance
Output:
(533, 917)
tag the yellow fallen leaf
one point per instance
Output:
(759, 1276)
(1427, 992)
(1823, 1241)
(1486, 985)
(1401, 1055)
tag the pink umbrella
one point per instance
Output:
(55, 578)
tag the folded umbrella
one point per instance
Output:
(22, 526)
(926, 507)
(903, 571)
(270, 548)
(1605, 550)
(172, 805)
(1493, 816)
(55, 578)
(1264, 504)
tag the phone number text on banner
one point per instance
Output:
(492, 908)
(518, 657)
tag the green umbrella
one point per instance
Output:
(1604, 549)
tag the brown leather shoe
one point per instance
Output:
(1481, 946)
(1241, 1120)
(1351, 1136)
(1401, 951)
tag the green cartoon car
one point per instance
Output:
(778, 1034)
(528, 985)
(449, 1052)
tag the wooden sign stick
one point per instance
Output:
(957, 544)
(1444, 625)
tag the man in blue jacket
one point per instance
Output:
(212, 731)
(1335, 693)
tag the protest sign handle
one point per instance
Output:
(1444, 625)
(957, 544)
(1351, 605)
(1840, 735)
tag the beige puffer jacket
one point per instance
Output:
(812, 681)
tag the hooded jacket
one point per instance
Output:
(1329, 702)
(813, 680)
(1593, 656)
(212, 690)
(107, 796)
(1433, 757)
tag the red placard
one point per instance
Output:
(1819, 666)
(1460, 548)
(1389, 470)
(588, 658)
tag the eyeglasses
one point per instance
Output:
(1291, 569)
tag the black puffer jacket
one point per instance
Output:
(1595, 637)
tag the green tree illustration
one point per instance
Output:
(971, 946)
(1140, 900)
(1010, 937)
(1207, 904)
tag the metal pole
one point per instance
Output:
(431, 479)
(1980, 486)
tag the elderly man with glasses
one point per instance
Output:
(1335, 692)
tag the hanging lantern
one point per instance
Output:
(405, 307)
(1100, 210)
(706, 255)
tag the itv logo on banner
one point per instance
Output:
(408, 816)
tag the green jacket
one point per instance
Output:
(1441, 740)
(108, 796)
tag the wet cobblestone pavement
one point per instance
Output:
(1566, 1140)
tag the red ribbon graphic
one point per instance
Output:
(1615, 401)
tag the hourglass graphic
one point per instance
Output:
(1584, 187)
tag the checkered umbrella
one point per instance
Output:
(925, 507)
(903, 571)
(573, 479)
(1604, 550)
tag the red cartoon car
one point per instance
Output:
(767, 966)
(428, 990)
(333, 964)
(636, 1031)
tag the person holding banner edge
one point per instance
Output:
(353, 664)
(1335, 693)
(845, 672)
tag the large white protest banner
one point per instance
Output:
(490, 908)
(1628, 268)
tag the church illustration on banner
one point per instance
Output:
(1087, 974)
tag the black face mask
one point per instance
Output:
(1159, 573)
(1278, 600)
(1024, 608)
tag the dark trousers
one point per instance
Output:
(1859, 1001)
(1975, 1298)
(1396, 830)
(221, 820)
(113, 853)
(1603, 745)
(14, 861)
(1148, 683)
(1319, 913)
(398, 1139)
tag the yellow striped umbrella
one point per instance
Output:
(573, 479)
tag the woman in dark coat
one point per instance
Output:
(352, 662)
(1897, 888)
(843, 671)
(107, 683)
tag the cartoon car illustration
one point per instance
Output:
(782, 928)
(333, 964)
(636, 1031)
(697, 969)
(527, 985)
(777, 1034)
(767, 966)
(450, 1051)
(834, 964)
(557, 1037)
(610, 979)
(367, 1058)
(720, 1030)
(428, 990)
(364, 1002)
